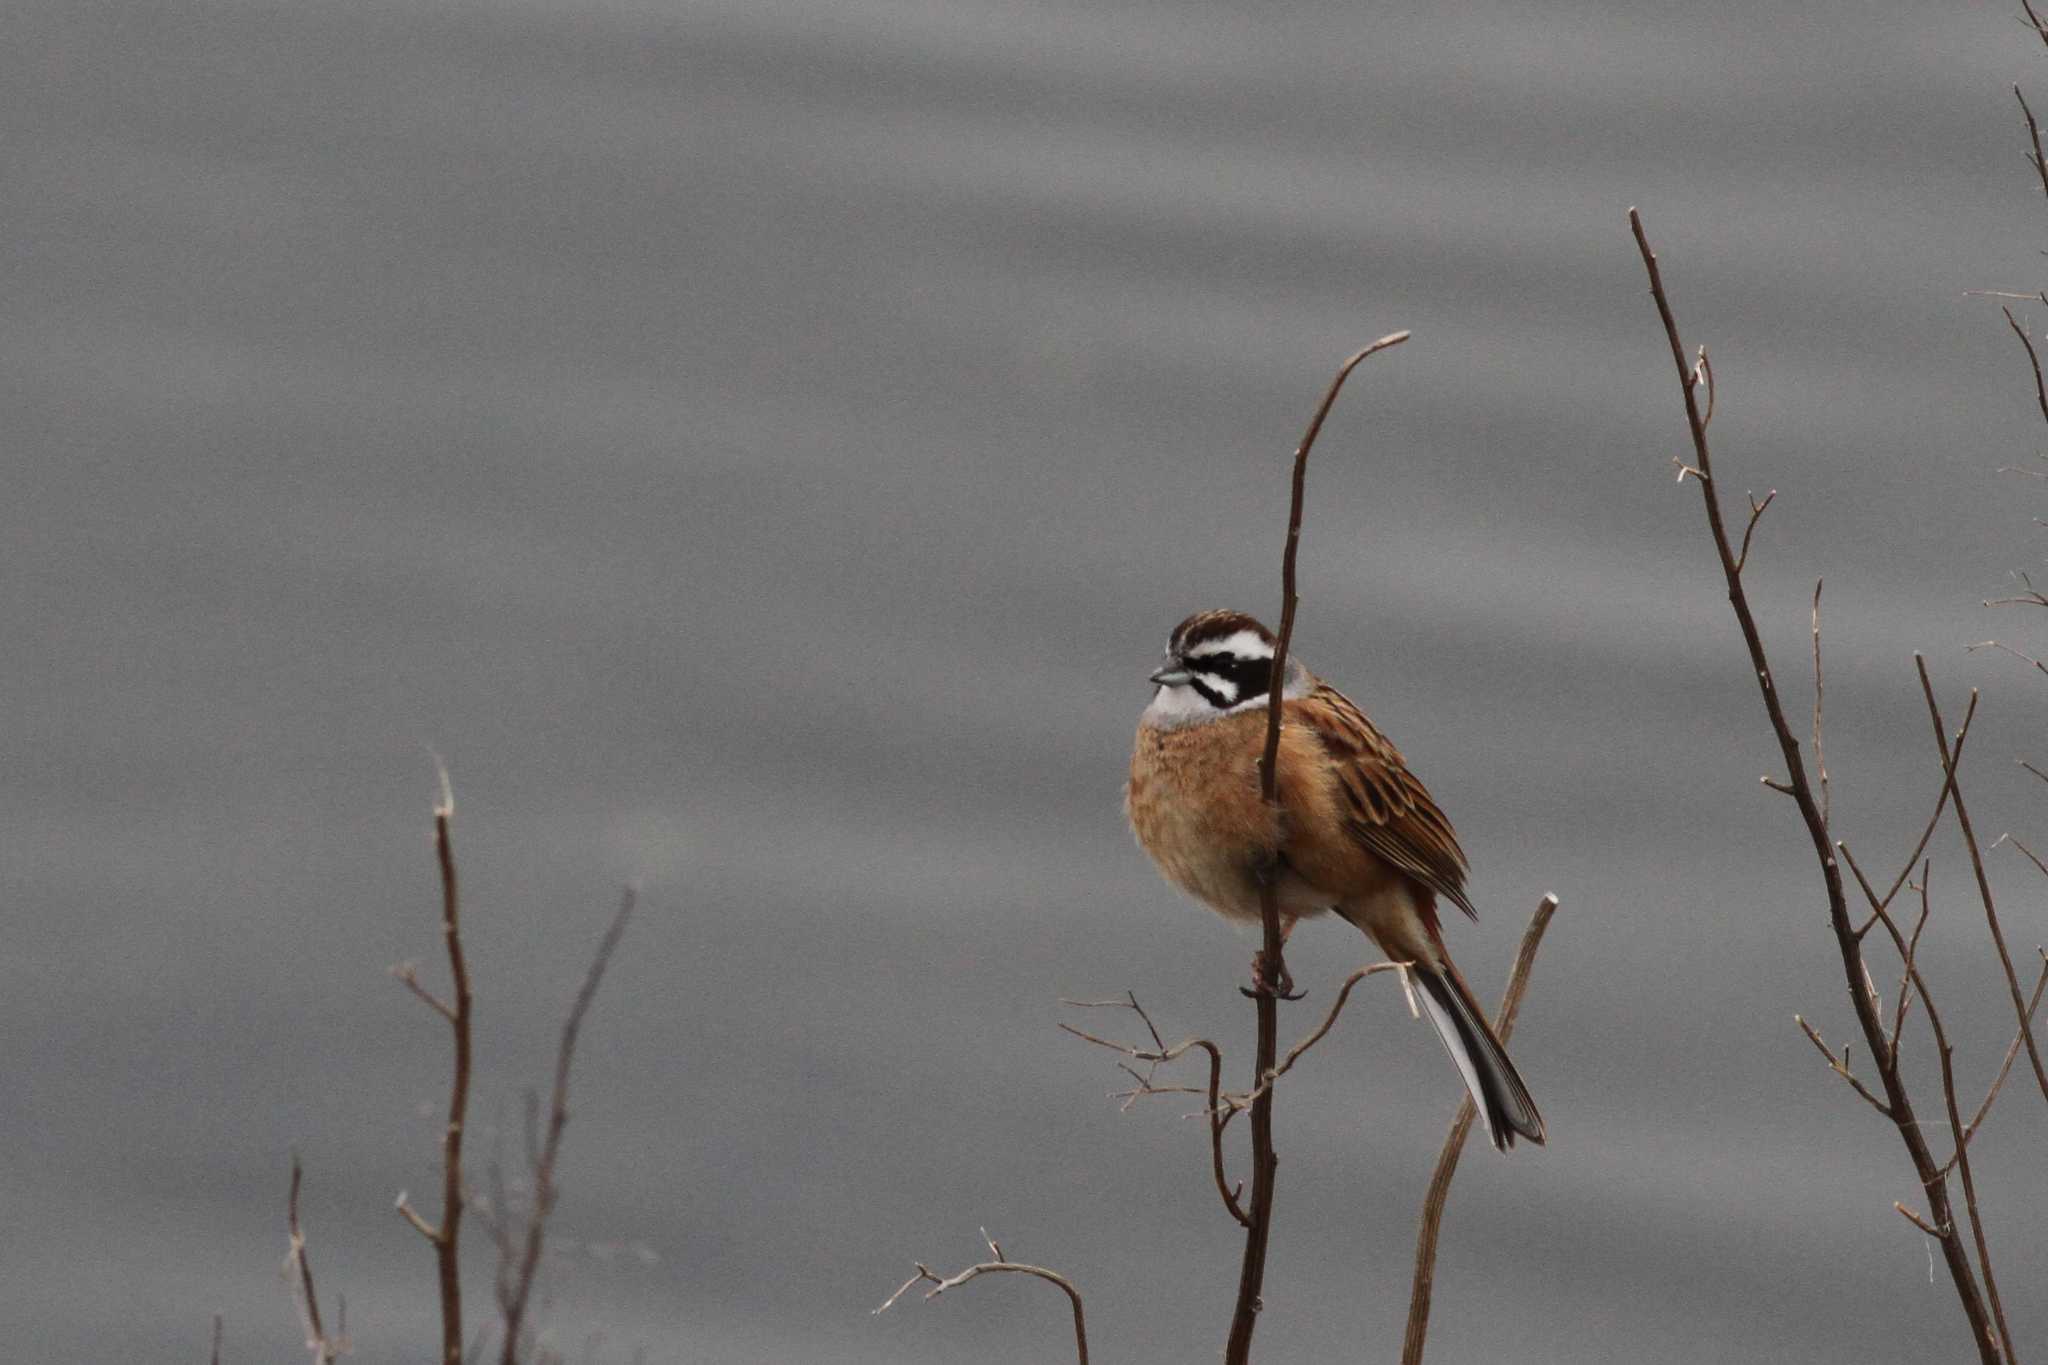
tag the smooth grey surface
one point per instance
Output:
(762, 446)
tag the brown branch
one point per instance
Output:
(999, 1265)
(2033, 358)
(513, 1295)
(2040, 29)
(1454, 1142)
(217, 1326)
(445, 1236)
(2012, 977)
(1271, 978)
(1839, 1066)
(1217, 1113)
(2012, 1051)
(2034, 136)
(1848, 944)
(299, 1270)
(1820, 762)
(1294, 1054)
(1926, 833)
(1961, 1160)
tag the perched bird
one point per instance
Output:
(1354, 831)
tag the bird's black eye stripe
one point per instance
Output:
(1250, 676)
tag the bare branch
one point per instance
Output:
(1838, 1066)
(412, 1216)
(446, 1237)
(2004, 1069)
(1270, 979)
(1295, 1053)
(1820, 762)
(1847, 939)
(2033, 129)
(1424, 1287)
(1217, 1112)
(2012, 979)
(1927, 831)
(513, 1297)
(299, 1270)
(217, 1326)
(408, 976)
(2033, 358)
(1940, 1233)
(999, 1265)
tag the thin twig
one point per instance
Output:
(1838, 1066)
(217, 1326)
(1272, 975)
(2012, 978)
(1424, 1288)
(999, 1265)
(2033, 133)
(513, 1304)
(1756, 512)
(1926, 832)
(1295, 1053)
(1820, 762)
(2012, 1051)
(2033, 358)
(1217, 1113)
(1961, 1160)
(299, 1267)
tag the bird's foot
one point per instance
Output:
(1281, 987)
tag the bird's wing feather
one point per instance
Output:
(1388, 810)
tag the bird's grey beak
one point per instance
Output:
(1173, 674)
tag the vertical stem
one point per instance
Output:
(445, 1238)
(1251, 1276)
(1424, 1289)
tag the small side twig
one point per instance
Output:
(515, 1284)
(1840, 1067)
(1000, 1265)
(1756, 512)
(1424, 1288)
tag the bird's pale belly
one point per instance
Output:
(1194, 804)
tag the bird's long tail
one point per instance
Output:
(1496, 1086)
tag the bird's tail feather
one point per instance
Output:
(1497, 1089)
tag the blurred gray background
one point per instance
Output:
(762, 447)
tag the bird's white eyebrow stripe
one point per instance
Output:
(1244, 644)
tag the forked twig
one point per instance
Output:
(1158, 1055)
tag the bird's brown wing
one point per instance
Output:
(1387, 810)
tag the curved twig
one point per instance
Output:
(999, 1265)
